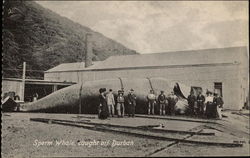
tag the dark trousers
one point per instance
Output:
(131, 110)
(168, 109)
(172, 108)
(191, 109)
(162, 108)
(200, 108)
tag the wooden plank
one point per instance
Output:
(96, 128)
(153, 130)
(176, 119)
(140, 128)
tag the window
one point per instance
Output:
(218, 88)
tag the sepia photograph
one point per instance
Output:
(128, 78)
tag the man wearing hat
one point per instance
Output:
(218, 103)
(131, 103)
(200, 103)
(110, 102)
(162, 102)
(191, 102)
(120, 104)
(172, 100)
(103, 108)
(151, 101)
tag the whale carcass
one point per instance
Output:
(84, 96)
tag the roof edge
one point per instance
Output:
(151, 67)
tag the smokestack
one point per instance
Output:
(89, 50)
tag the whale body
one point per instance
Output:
(84, 97)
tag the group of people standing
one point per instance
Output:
(166, 103)
(107, 103)
(209, 106)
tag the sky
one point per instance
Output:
(162, 26)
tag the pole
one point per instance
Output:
(80, 100)
(88, 50)
(23, 82)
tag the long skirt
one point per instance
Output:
(219, 114)
(104, 112)
(211, 110)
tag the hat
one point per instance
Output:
(131, 89)
(102, 90)
(162, 91)
(208, 92)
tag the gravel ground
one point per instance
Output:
(21, 137)
(199, 151)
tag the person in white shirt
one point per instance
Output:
(209, 104)
(110, 102)
(151, 102)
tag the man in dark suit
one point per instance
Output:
(172, 100)
(200, 103)
(162, 102)
(131, 103)
(191, 102)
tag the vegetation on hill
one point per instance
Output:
(45, 39)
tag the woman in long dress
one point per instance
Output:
(103, 113)
(209, 105)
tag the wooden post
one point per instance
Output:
(23, 82)
(54, 88)
(80, 100)
(88, 50)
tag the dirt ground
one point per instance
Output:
(24, 138)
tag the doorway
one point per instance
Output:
(218, 88)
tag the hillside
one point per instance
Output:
(45, 39)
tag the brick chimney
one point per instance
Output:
(88, 50)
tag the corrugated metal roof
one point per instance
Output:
(208, 56)
(190, 57)
(36, 81)
(71, 66)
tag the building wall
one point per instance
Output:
(15, 85)
(244, 78)
(203, 76)
(11, 86)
